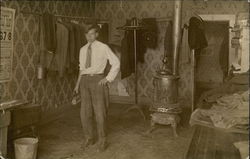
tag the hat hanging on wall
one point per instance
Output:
(150, 39)
(132, 24)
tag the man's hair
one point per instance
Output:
(93, 26)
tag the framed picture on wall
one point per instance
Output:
(6, 38)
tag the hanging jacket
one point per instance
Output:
(45, 57)
(127, 55)
(49, 22)
(146, 38)
(60, 59)
(104, 33)
(71, 46)
(196, 35)
(80, 41)
(149, 35)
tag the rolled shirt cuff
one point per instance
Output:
(109, 79)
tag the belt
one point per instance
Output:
(92, 74)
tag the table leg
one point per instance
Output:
(174, 126)
(152, 127)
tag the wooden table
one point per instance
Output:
(5, 120)
(211, 143)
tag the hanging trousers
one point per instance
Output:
(94, 106)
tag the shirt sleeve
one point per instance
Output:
(115, 64)
(81, 64)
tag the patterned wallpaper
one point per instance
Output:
(119, 11)
(52, 93)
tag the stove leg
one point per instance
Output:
(136, 107)
(174, 126)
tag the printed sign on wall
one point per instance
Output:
(6, 38)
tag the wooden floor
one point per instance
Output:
(127, 137)
(210, 143)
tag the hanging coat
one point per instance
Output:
(196, 34)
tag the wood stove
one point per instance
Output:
(166, 108)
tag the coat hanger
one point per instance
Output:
(74, 21)
(59, 20)
(100, 25)
(185, 26)
(197, 16)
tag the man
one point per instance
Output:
(93, 85)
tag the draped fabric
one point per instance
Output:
(146, 38)
(49, 22)
(196, 36)
(104, 33)
(127, 55)
(60, 53)
(223, 59)
(61, 49)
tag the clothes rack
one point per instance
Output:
(163, 19)
(135, 106)
(66, 16)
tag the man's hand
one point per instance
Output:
(76, 89)
(103, 82)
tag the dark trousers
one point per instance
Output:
(94, 105)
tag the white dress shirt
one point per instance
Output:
(101, 53)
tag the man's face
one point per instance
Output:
(91, 35)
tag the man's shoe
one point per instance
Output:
(102, 146)
(87, 143)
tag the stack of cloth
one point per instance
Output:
(237, 83)
(225, 107)
(230, 111)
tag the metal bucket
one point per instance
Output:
(26, 148)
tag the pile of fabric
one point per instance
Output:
(237, 83)
(230, 111)
(225, 107)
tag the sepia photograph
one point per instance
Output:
(124, 79)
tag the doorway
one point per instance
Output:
(212, 64)
(212, 67)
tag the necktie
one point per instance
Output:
(88, 57)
